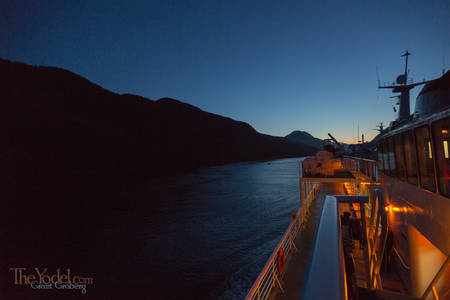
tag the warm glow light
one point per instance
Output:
(444, 131)
(429, 150)
(396, 209)
(445, 149)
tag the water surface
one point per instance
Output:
(202, 235)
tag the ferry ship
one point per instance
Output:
(373, 229)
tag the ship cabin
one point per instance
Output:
(414, 175)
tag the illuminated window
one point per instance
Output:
(430, 153)
(445, 149)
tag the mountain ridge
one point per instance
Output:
(60, 126)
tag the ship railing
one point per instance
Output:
(271, 274)
(376, 236)
(364, 166)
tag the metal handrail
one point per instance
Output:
(270, 274)
(377, 242)
(359, 158)
(400, 258)
(365, 166)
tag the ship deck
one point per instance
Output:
(297, 263)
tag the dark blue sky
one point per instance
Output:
(278, 65)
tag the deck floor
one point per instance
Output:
(297, 262)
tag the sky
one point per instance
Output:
(277, 65)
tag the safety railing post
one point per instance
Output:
(302, 195)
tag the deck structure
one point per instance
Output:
(354, 191)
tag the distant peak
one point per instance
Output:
(303, 137)
(299, 133)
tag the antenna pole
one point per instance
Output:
(378, 77)
(406, 66)
(406, 69)
(358, 135)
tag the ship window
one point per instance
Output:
(380, 157)
(386, 158)
(399, 157)
(410, 157)
(441, 137)
(390, 154)
(425, 155)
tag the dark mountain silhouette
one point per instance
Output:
(56, 125)
(304, 138)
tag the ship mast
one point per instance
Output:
(404, 111)
(406, 64)
(403, 88)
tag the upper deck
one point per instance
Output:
(313, 255)
(346, 176)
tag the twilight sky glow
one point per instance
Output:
(277, 65)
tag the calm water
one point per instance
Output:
(202, 235)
